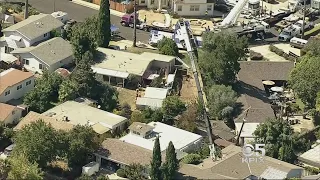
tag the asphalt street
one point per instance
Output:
(80, 13)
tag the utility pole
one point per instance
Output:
(26, 11)
(243, 122)
(303, 19)
(135, 24)
(54, 5)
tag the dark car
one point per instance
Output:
(222, 8)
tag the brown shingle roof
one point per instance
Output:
(5, 111)
(251, 75)
(125, 153)
(33, 117)
(11, 77)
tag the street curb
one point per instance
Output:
(97, 7)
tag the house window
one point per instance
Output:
(152, 2)
(209, 8)
(8, 49)
(28, 82)
(26, 61)
(45, 35)
(194, 7)
(40, 66)
(179, 8)
(143, 1)
(7, 93)
(19, 87)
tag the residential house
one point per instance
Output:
(311, 157)
(28, 32)
(143, 135)
(115, 154)
(14, 84)
(232, 166)
(10, 114)
(154, 4)
(76, 113)
(193, 7)
(254, 98)
(116, 66)
(33, 117)
(49, 55)
(153, 98)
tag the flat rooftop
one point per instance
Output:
(311, 157)
(127, 62)
(79, 113)
(180, 138)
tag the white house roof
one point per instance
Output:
(35, 26)
(156, 93)
(272, 173)
(150, 102)
(311, 157)
(180, 138)
(126, 62)
(248, 129)
(50, 52)
(109, 72)
(79, 113)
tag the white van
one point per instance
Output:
(298, 43)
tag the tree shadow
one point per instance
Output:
(254, 92)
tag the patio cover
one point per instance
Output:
(100, 129)
(109, 72)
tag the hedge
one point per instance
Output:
(281, 53)
(121, 173)
(192, 159)
(255, 55)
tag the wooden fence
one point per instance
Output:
(116, 6)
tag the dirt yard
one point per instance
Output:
(151, 16)
(127, 96)
(188, 91)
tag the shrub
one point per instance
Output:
(167, 46)
(121, 173)
(192, 159)
(255, 55)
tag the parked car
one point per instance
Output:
(7, 151)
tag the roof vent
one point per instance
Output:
(53, 52)
(65, 118)
(139, 127)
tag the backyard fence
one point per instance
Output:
(116, 6)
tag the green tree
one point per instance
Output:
(219, 60)
(172, 106)
(37, 141)
(104, 31)
(126, 110)
(167, 46)
(312, 47)
(22, 168)
(134, 172)
(4, 169)
(172, 164)
(102, 177)
(220, 97)
(187, 120)
(304, 79)
(68, 90)
(46, 91)
(82, 142)
(83, 38)
(5, 136)
(155, 172)
(137, 116)
(281, 142)
(85, 177)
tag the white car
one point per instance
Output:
(7, 151)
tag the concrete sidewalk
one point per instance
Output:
(97, 7)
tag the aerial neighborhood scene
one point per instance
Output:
(159, 89)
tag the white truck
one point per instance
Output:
(294, 30)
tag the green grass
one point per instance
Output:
(316, 28)
(138, 50)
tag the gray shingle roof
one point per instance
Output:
(35, 26)
(251, 75)
(51, 51)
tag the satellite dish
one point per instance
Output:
(99, 107)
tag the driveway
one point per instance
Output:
(80, 13)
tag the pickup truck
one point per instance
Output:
(307, 24)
